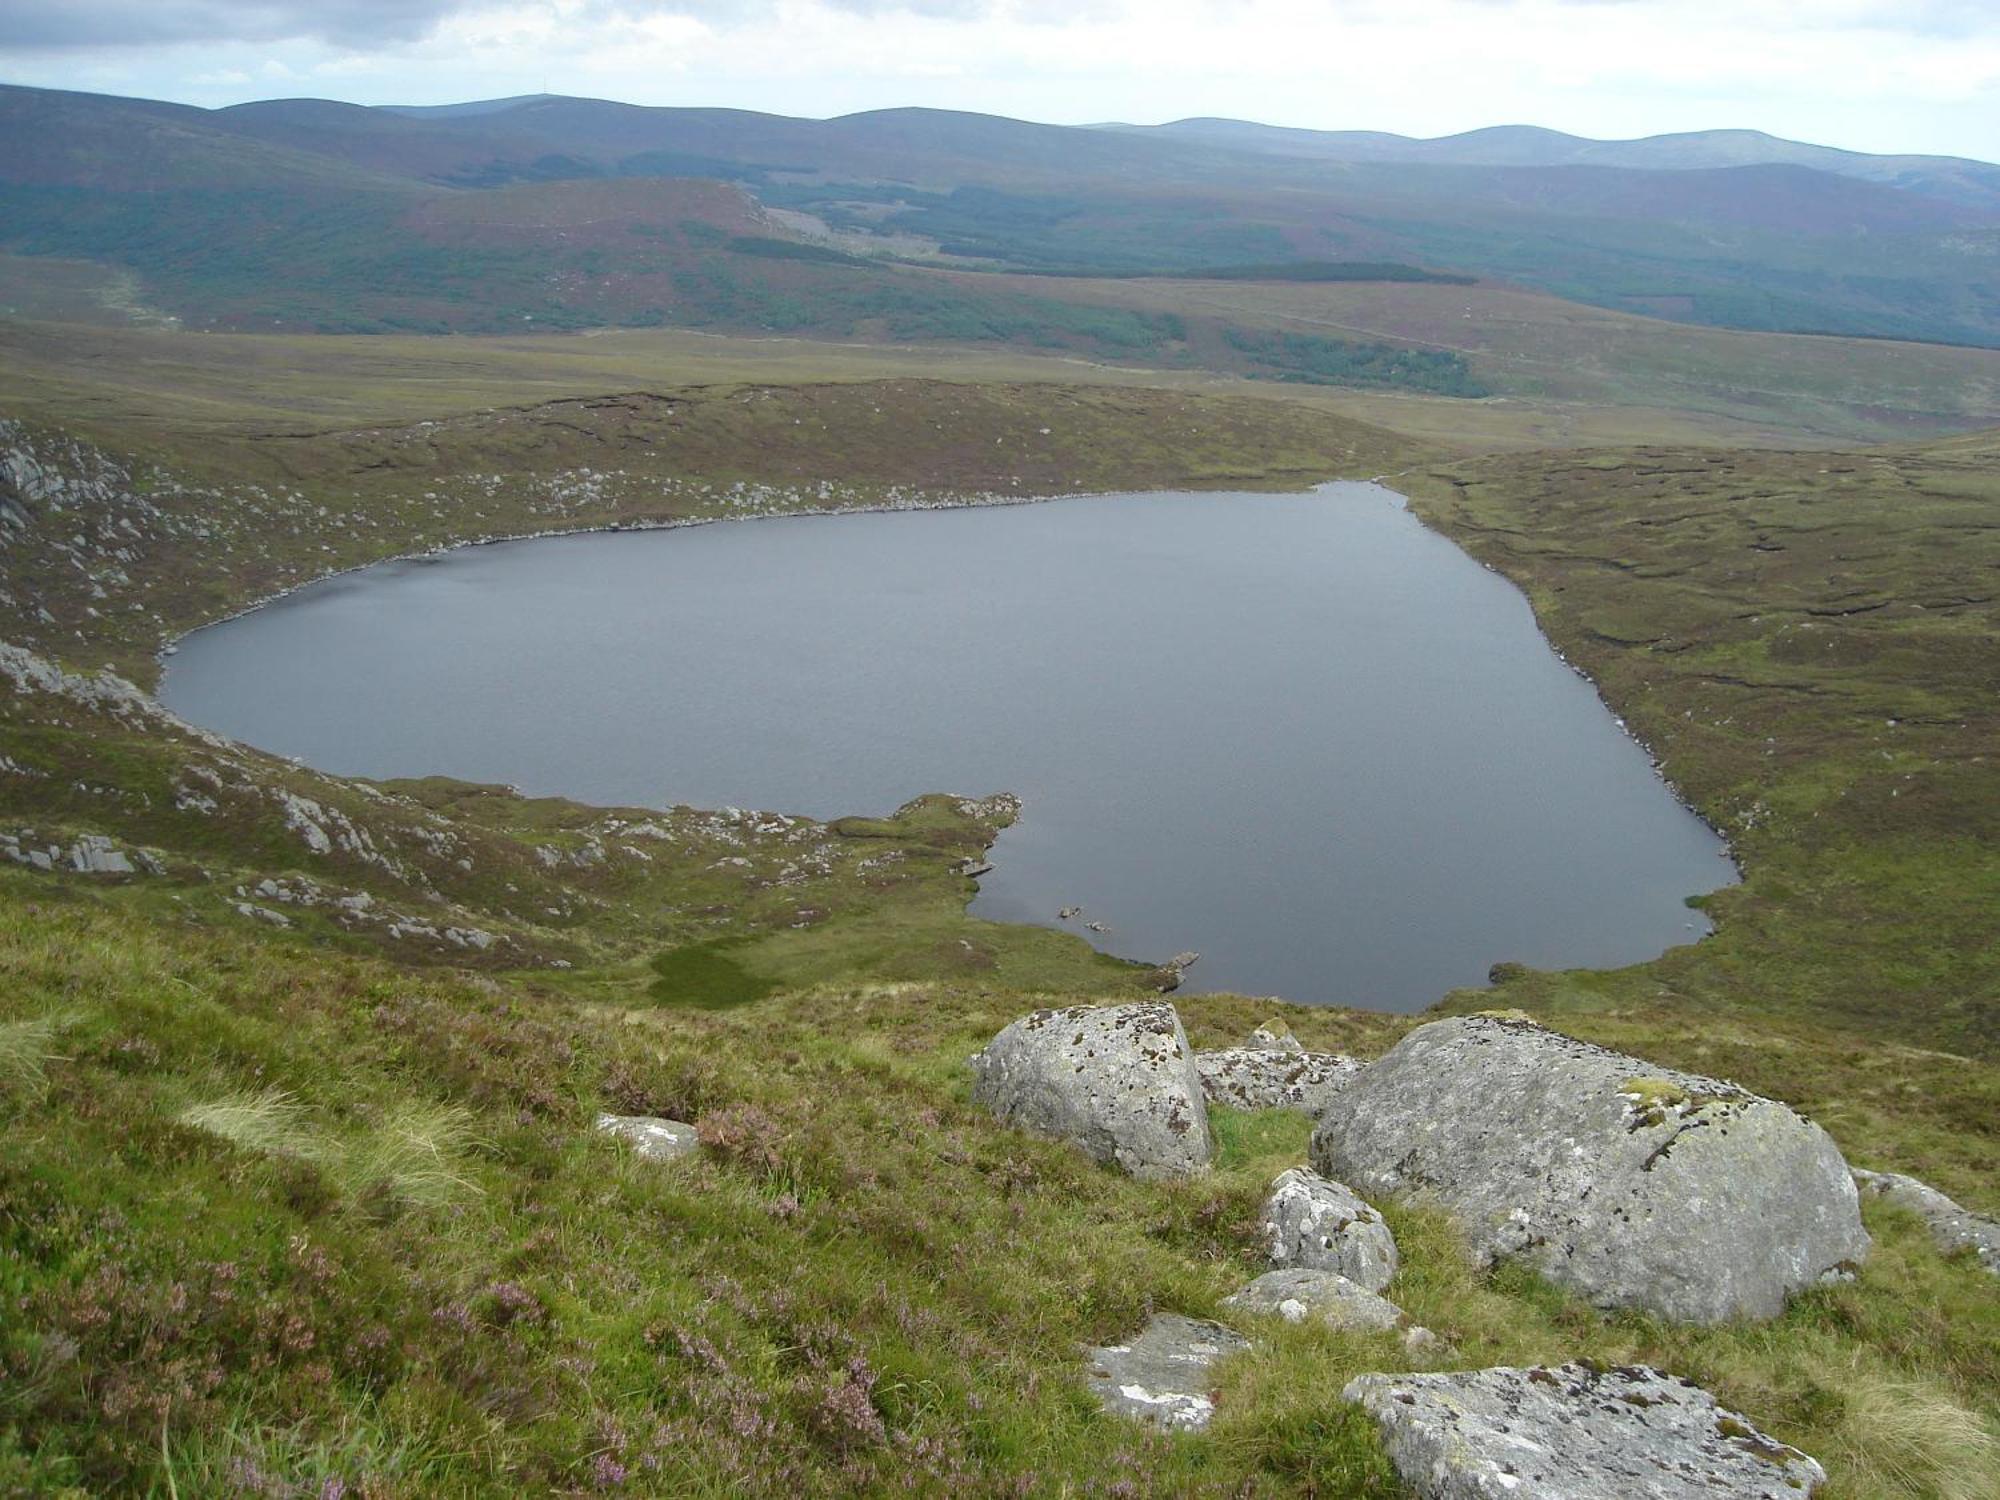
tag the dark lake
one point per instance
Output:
(1301, 734)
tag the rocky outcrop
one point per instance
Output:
(1629, 1185)
(1273, 1071)
(90, 854)
(1575, 1433)
(1316, 1225)
(1322, 1296)
(1162, 1376)
(650, 1137)
(1118, 1081)
(1954, 1228)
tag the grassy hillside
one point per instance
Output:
(1559, 374)
(299, 1193)
(1521, 344)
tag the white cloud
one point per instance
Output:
(1920, 75)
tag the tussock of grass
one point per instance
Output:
(270, 1121)
(414, 1155)
(26, 1049)
(1896, 1435)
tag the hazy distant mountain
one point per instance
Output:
(53, 138)
(254, 211)
(1956, 178)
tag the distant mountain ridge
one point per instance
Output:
(247, 212)
(1959, 179)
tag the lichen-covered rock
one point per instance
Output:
(1278, 1075)
(1162, 1376)
(1575, 1433)
(652, 1138)
(1325, 1297)
(1631, 1186)
(1316, 1225)
(1118, 1081)
(1954, 1228)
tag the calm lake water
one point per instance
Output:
(1298, 733)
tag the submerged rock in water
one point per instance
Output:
(1954, 1228)
(1117, 1080)
(1317, 1225)
(1631, 1186)
(1575, 1433)
(1162, 1375)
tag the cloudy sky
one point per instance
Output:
(1878, 75)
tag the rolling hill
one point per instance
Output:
(320, 215)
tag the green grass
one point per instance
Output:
(707, 976)
(861, 1281)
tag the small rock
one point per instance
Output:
(1161, 1376)
(1117, 1080)
(1419, 1341)
(1575, 1433)
(1954, 1228)
(1324, 1296)
(1317, 1225)
(652, 1138)
(1275, 1036)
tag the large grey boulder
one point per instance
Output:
(1575, 1433)
(1162, 1375)
(1322, 1296)
(1117, 1080)
(1316, 1225)
(1954, 1228)
(1273, 1071)
(1627, 1184)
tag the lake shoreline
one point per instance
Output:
(710, 679)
